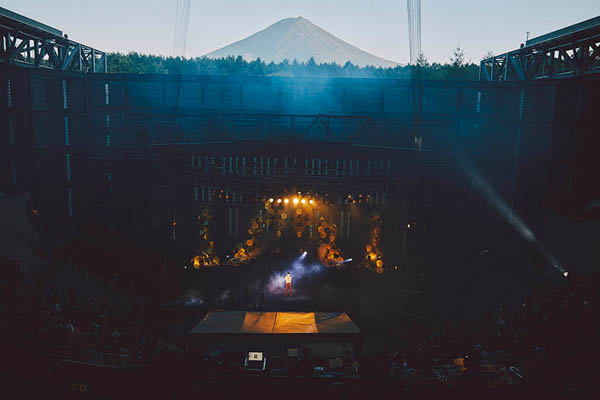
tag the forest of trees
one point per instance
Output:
(133, 63)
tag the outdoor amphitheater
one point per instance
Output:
(193, 235)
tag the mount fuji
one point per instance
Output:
(298, 39)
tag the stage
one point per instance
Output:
(325, 333)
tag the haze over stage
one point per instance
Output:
(286, 323)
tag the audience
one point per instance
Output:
(541, 330)
(77, 325)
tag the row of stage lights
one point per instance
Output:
(304, 201)
(294, 200)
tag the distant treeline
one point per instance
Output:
(135, 63)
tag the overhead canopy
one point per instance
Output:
(242, 322)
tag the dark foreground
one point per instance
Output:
(69, 334)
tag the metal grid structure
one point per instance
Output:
(123, 154)
(572, 52)
(28, 43)
(223, 128)
(118, 120)
(143, 111)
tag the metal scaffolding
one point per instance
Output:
(28, 43)
(223, 128)
(570, 52)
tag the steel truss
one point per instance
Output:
(245, 127)
(571, 52)
(37, 46)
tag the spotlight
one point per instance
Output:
(279, 201)
(566, 273)
(286, 201)
(303, 201)
(303, 255)
(271, 200)
(295, 200)
(310, 201)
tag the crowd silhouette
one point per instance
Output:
(556, 328)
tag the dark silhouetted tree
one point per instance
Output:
(488, 54)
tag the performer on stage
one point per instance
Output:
(288, 284)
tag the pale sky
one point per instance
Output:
(377, 26)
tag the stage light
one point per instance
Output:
(310, 201)
(286, 201)
(408, 225)
(295, 200)
(271, 200)
(279, 201)
(566, 273)
(303, 201)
